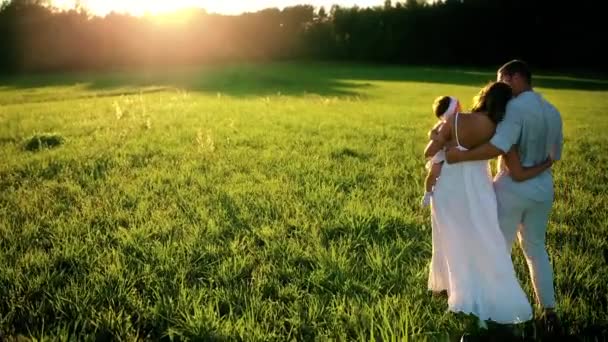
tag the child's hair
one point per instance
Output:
(493, 98)
(442, 105)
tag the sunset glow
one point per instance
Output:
(142, 7)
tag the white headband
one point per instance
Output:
(451, 108)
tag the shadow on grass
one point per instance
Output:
(325, 79)
(233, 80)
(532, 331)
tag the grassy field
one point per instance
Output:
(259, 203)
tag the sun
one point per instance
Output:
(152, 7)
(138, 7)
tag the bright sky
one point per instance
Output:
(139, 7)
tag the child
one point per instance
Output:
(444, 107)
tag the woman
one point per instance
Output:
(471, 260)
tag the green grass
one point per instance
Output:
(257, 203)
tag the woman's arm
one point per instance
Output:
(438, 140)
(520, 173)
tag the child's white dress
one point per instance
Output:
(437, 158)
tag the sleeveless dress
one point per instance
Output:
(470, 256)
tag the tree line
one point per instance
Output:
(546, 33)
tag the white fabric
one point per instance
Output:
(470, 256)
(437, 158)
(426, 199)
(451, 109)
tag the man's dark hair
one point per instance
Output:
(517, 67)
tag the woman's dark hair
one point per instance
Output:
(441, 104)
(493, 99)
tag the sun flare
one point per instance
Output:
(133, 7)
(154, 7)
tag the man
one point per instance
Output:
(533, 127)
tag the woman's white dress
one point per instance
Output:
(470, 257)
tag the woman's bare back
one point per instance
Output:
(474, 129)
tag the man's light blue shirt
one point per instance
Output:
(535, 126)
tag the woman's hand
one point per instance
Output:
(438, 136)
(434, 135)
(548, 163)
(518, 172)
